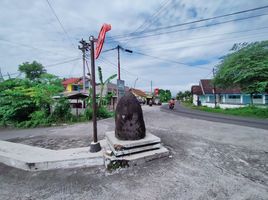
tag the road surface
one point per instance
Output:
(209, 160)
(216, 117)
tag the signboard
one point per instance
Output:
(120, 88)
(105, 28)
(156, 91)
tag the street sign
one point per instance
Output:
(105, 28)
(120, 88)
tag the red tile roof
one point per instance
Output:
(70, 81)
(196, 89)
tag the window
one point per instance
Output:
(257, 96)
(234, 96)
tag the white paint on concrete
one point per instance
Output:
(36, 159)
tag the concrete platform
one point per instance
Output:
(125, 147)
(132, 152)
(136, 159)
(32, 158)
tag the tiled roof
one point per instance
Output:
(196, 89)
(138, 92)
(70, 81)
(207, 87)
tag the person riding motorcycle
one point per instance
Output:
(171, 103)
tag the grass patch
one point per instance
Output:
(249, 111)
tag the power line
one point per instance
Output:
(30, 46)
(208, 36)
(126, 71)
(61, 25)
(169, 60)
(209, 43)
(197, 27)
(149, 19)
(193, 22)
(50, 65)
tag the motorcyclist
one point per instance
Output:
(171, 103)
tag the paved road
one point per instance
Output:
(209, 160)
(216, 117)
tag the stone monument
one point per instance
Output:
(129, 144)
(129, 123)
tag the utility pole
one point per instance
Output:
(118, 61)
(95, 145)
(84, 47)
(118, 57)
(214, 88)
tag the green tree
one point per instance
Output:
(32, 70)
(164, 95)
(183, 95)
(103, 83)
(24, 100)
(246, 68)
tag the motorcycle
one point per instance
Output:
(171, 106)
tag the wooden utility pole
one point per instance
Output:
(95, 145)
(84, 47)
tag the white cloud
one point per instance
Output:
(31, 23)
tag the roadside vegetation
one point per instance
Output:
(245, 67)
(249, 111)
(28, 102)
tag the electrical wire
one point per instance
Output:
(170, 61)
(198, 38)
(193, 22)
(60, 23)
(193, 28)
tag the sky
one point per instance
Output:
(171, 58)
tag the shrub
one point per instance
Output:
(103, 112)
(62, 110)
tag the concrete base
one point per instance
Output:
(37, 159)
(113, 151)
(121, 153)
(126, 147)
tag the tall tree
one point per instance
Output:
(246, 68)
(32, 70)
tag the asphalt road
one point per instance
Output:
(216, 117)
(209, 160)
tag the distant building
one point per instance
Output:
(204, 94)
(74, 84)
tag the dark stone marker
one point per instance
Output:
(129, 123)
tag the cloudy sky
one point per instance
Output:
(171, 57)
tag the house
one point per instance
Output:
(77, 101)
(206, 94)
(142, 96)
(74, 84)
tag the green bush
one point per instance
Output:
(249, 111)
(103, 112)
(62, 111)
(88, 113)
